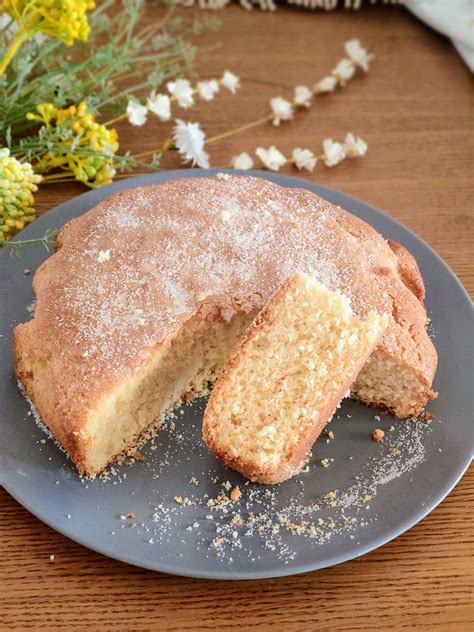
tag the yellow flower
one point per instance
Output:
(17, 185)
(77, 143)
(64, 19)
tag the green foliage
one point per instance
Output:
(120, 59)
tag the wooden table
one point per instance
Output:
(415, 109)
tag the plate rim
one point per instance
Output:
(283, 570)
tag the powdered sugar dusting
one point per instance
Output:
(166, 246)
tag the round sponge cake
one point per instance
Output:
(148, 293)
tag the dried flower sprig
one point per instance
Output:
(119, 59)
(180, 91)
(18, 182)
(282, 109)
(357, 57)
(332, 154)
(75, 144)
(65, 20)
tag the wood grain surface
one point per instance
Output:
(415, 109)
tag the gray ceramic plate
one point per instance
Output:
(291, 528)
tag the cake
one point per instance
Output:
(287, 375)
(148, 293)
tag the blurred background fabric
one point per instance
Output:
(453, 18)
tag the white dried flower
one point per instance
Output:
(282, 110)
(160, 105)
(304, 159)
(182, 91)
(230, 81)
(358, 54)
(242, 161)
(207, 89)
(271, 157)
(327, 84)
(344, 70)
(189, 139)
(333, 152)
(354, 146)
(136, 113)
(303, 96)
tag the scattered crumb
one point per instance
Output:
(392, 428)
(330, 435)
(325, 462)
(132, 525)
(26, 271)
(183, 501)
(222, 176)
(194, 481)
(188, 396)
(43, 441)
(377, 417)
(330, 496)
(378, 435)
(393, 451)
(235, 494)
(237, 521)
(367, 498)
(130, 515)
(426, 416)
(226, 485)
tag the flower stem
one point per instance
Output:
(116, 119)
(242, 128)
(18, 39)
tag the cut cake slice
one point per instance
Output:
(285, 378)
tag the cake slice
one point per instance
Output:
(285, 378)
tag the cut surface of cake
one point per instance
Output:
(148, 293)
(286, 377)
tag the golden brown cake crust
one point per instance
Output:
(130, 271)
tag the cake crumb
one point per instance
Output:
(367, 498)
(377, 417)
(378, 435)
(188, 396)
(182, 501)
(194, 481)
(222, 176)
(325, 462)
(426, 416)
(393, 451)
(330, 435)
(132, 525)
(237, 521)
(330, 496)
(130, 515)
(235, 494)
